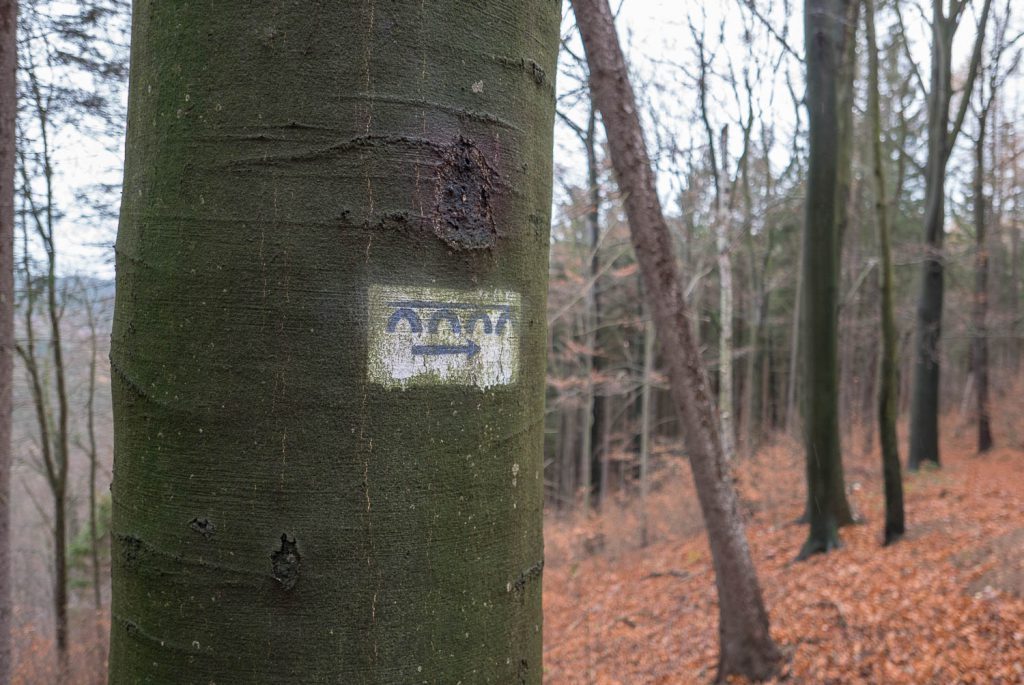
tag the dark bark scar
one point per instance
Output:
(462, 199)
(203, 526)
(285, 562)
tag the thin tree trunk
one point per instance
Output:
(568, 453)
(723, 250)
(606, 451)
(55, 471)
(645, 428)
(888, 387)
(632, 469)
(595, 406)
(760, 298)
(979, 342)
(942, 135)
(8, 114)
(872, 374)
(583, 458)
(723, 234)
(769, 386)
(793, 375)
(1016, 340)
(90, 424)
(746, 646)
(725, 188)
(965, 402)
(53, 432)
(329, 343)
(752, 381)
(586, 468)
(60, 579)
(62, 450)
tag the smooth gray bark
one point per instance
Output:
(298, 175)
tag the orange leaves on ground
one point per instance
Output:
(945, 605)
(35, 655)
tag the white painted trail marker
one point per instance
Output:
(438, 336)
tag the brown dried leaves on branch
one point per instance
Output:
(946, 605)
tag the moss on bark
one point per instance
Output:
(282, 159)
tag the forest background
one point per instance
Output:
(721, 90)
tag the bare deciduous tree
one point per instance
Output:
(746, 647)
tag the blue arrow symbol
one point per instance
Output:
(469, 349)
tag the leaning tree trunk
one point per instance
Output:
(979, 342)
(823, 29)
(8, 113)
(329, 342)
(746, 646)
(888, 387)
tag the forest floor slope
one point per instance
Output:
(944, 605)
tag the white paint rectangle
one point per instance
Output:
(422, 335)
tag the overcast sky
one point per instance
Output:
(656, 36)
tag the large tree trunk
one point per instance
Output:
(746, 646)
(979, 342)
(888, 387)
(824, 32)
(329, 342)
(844, 205)
(8, 113)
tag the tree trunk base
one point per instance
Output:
(820, 544)
(893, 535)
(985, 441)
(753, 662)
(930, 463)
